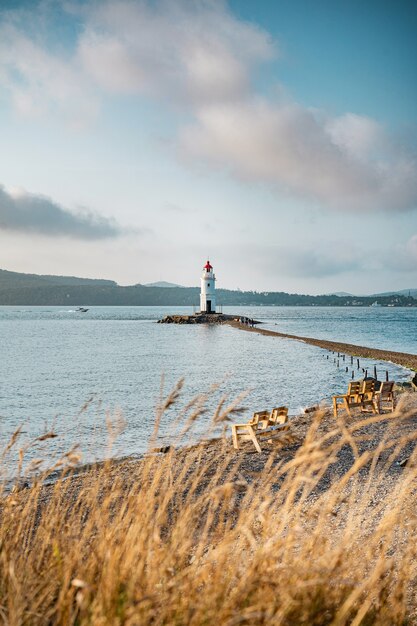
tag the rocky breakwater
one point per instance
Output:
(199, 318)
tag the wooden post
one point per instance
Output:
(366, 373)
(347, 369)
(375, 374)
(353, 374)
(337, 362)
(344, 357)
(351, 360)
(386, 376)
(358, 363)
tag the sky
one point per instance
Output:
(140, 137)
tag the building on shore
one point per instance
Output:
(208, 290)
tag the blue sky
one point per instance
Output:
(345, 55)
(277, 137)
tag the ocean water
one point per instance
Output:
(83, 374)
(385, 327)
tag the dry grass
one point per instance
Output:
(192, 537)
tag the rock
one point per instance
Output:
(197, 318)
(162, 449)
(311, 409)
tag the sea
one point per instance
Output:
(97, 380)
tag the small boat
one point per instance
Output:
(376, 303)
(82, 310)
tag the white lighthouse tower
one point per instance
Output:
(208, 290)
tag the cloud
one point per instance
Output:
(403, 258)
(200, 58)
(191, 52)
(304, 152)
(333, 260)
(357, 135)
(29, 213)
(306, 261)
(171, 207)
(199, 55)
(40, 82)
(185, 52)
(411, 250)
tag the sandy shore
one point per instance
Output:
(400, 358)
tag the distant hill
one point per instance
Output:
(341, 294)
(16, 280)
(162, 283)
(34, 289)
(403, 292)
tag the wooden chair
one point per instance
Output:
(278, 415)
(244, 432)
(385, 394)
(266, 419)
(260, 419)
(367, 394)
(264, 424)
(350, 399)
(278, 422)
(360, 394)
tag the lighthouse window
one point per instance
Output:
(208, 284)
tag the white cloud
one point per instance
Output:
(192, 52)
(181, 51)
(303, 152)
(199, 56)
(356, 135)
(41, 83)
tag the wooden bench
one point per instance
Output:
(263, 425)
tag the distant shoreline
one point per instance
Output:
(20, 289)
(399, 358)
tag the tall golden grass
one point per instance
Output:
(198, 536)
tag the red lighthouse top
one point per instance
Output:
(208, 267)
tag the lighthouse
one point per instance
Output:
(208, 290)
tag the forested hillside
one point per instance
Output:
(33, 289)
